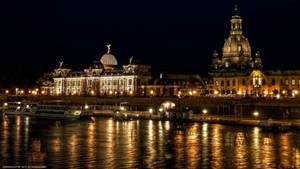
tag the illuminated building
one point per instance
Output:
(239, 73)
(104, 77)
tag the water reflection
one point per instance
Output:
(105, 143)
(217, 147)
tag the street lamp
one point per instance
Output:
(204, 111)
(151, 110)
(256, 114)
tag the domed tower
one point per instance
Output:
(236, 55)
(236, 44)
(108, 60)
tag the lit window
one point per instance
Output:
(226, 64)
(217, 83)
(286, 82)
(130, 82)
(293, 82)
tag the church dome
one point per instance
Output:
(235, 46)
(108, 60)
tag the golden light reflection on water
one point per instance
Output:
(37, 156)
(240, 157)
(268, 153)
(167, 125)
(285, 150)
(205, 146)
(192, 146)
(296, 158)
(4, 138)
(109, 144)
(256, 148)
(151, 149)
(217, 147)
(18, 139)
(105, 143)
(91, 145)
(73, 153)
(179, 148)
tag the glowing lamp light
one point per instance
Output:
(86, 107)
(190, 92)
(172, 105)
(278, 96)
(22, 91)
(122, 108)
(194, 92)
(110, 92)
(6, 91)
(204, 111)
(130, 92)
(216, 92)
(256, 113)
(77, 113)
(151, 92)
(117, 112)
(266, 92)
(160, 109)
(283, 92)
(92, 92)
(239, 92)
(5, 104)
(19, 107)
(151, 110)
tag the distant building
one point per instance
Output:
(102, 78)
(175, 85)
(237, 72)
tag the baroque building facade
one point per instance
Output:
(237, 72)
(104, 77)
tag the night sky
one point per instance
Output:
(168, 35)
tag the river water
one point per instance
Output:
(105, 143)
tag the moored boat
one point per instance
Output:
(62, 109)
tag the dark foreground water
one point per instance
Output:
(105, 143)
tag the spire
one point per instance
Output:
(108, 48)
(236, 12)
(236, 21)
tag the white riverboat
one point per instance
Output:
(13, 108)
(48, 109)
(62, 109)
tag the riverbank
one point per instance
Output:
(227, 120)
(277, 109)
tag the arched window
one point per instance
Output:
(130, 82)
